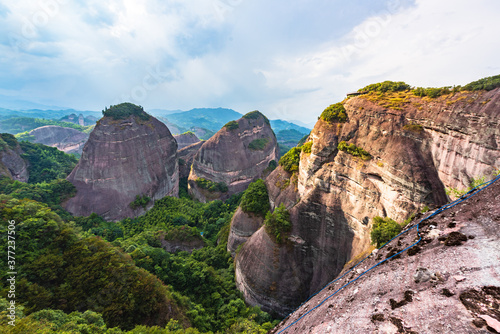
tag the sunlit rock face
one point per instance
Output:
(418, 149)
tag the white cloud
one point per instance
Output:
(288, 59)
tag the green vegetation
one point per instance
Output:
(89, 272)
(432, 92)
(232, 125)
(140, 201)
(334, 113)
(255, 115)
(386, 86)
(17, 125)
(383, 230)
(125, 110)
(271, 166)
(256, 199)
(488, 83)
(278, 223)
(211, 186)
(47, 163)
(290, 161)
(258, 144)
(413, 127)
(474, 182)
(354, 150)
(306, 148)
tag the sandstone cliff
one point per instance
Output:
(186, 139)
(12, 165)
(123, 158)
(64, 139)
(235, 156)
(418, 146)
(186, 157)
(447, 283)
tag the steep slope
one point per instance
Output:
(400, 153)
(186, 156)
(12, 165)
(186, 139)
(448, 283)
(65, 139)
(127, 155)
(235, 156)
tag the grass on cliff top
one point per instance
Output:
(334, 113)
(256, 199)
(124, 110)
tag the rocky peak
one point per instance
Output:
(129, 153)
(372, 155)
(235, 156)
(186, 139)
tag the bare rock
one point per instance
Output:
(12, 165)
(236, 156)
(186, 156)
(124, 158)
(64, 139)
(186, 139)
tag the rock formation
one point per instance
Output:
(186, 157)
(418, 148)
(447, 283)
(129, 153)
(186, 139)
(235, 156)
(64, 139)
(12, 165)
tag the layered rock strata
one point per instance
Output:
(235, 156)
(418, 148)
(124, 158)
(186, 139)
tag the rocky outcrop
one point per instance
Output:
(448, 283)
(418, 147)
(186, 139)
(173, 246)
(123, 158)
(79, 119)
(243, 226)
(64, 139)
(186, 157)
(12, 165)
(235, 156)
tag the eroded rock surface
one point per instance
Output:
(64, 139)
(235, 156)
(431, 288)
(417, 149)
(186, 139)
(124, 158)
(12, 165)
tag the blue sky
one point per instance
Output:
(288, 59)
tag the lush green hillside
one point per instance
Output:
(17, 125)
(83, 274)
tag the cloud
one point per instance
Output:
(288, 59)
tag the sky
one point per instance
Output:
(288, 59)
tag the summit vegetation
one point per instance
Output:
(125, 110)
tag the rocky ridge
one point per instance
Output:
(448, 283)
(124, 158)
(235, 156)
(186, 139)
(64, 139)
(418, 148)
(12, 165)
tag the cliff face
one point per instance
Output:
(418, 147)
(186, 139)
(124, 158)
(236, 155)
(64, 139)
(186, 156)
(12, 165)
(444, 284)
